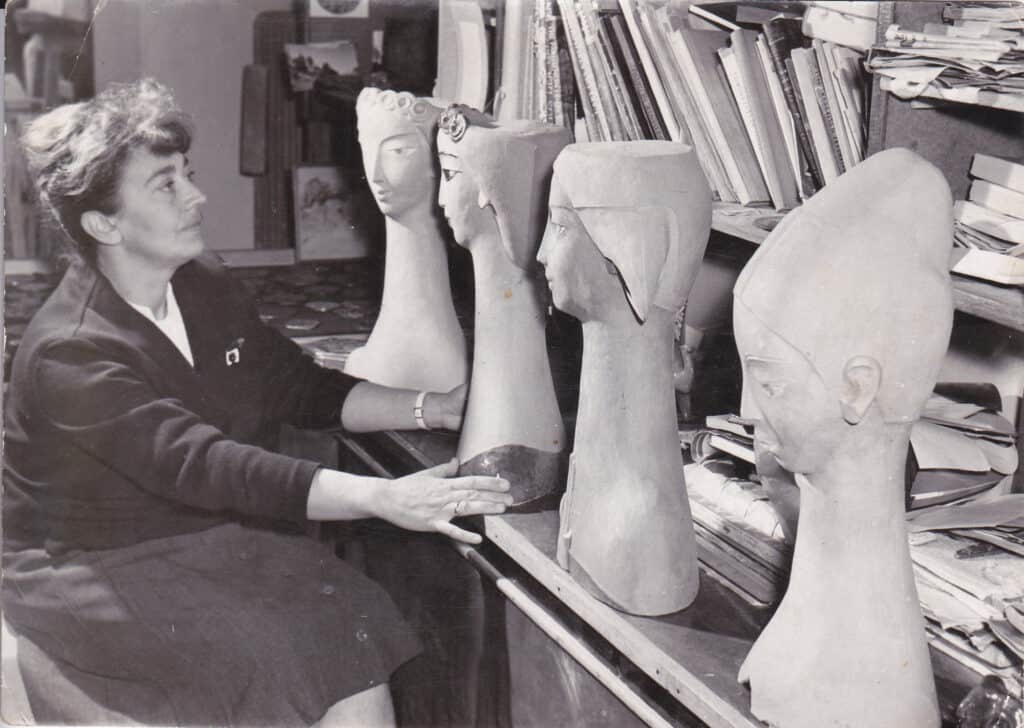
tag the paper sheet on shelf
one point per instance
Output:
(983, 513)
(937, 447)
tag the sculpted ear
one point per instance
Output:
(101, 227)
(482, 200)
(862, 378)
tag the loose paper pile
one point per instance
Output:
(977, 57)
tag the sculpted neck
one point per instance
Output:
(417, 290)
(626, 395)
(512, 396)
(852, 512)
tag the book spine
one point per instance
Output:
(780, 44)
(599, 72)
(821, 97)
(556, 109)
(595, 130)
(620, 88)
(655, 126)
(645, 54)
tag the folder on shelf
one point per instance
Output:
(996, 197)
(999, 171)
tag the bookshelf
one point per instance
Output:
(1001, 304)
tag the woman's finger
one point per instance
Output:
(452, 531)
(480, 482)
(477, 508)
(444, 470)
(480, 495)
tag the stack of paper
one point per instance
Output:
(978, 58)
(989, 224)
(972, 596)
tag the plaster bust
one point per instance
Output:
(627, 230)
(493, 190)
(416, 342)
(842, 319)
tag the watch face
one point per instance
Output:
(327, 8)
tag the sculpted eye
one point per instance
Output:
(449, 174)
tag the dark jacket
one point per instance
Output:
(113, 438)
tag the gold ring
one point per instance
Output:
(458, 508)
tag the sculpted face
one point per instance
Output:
(459, 197)
(582, 281)
(398, 168)
(796, 419)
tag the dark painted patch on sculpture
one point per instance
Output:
(531, 473)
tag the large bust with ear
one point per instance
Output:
(857, 281)
(842, 318)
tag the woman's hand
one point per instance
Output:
(429, 499)
(444, 411)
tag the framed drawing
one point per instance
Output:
(331, 220)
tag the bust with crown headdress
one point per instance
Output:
(493, 188)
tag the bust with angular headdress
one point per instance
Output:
(627, 230)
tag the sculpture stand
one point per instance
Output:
(513, 427)
(626, 470)
(416, 315)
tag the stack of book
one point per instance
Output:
(975, 56)
(771, 112)
(989, 224)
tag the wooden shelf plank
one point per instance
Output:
(1002, 304)
(694, 654)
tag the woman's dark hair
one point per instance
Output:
(76, 152)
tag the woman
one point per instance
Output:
(145, 567)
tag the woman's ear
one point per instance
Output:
(862, 378)
(101, 227)
(481, 199)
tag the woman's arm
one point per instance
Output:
(371, 407)
(423, 501)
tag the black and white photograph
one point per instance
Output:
(513, 364)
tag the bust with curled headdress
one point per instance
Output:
(493, 190)
(416, 342)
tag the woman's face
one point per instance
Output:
(399, 170)
(796, 419)
(459, 197)
(158, 216)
